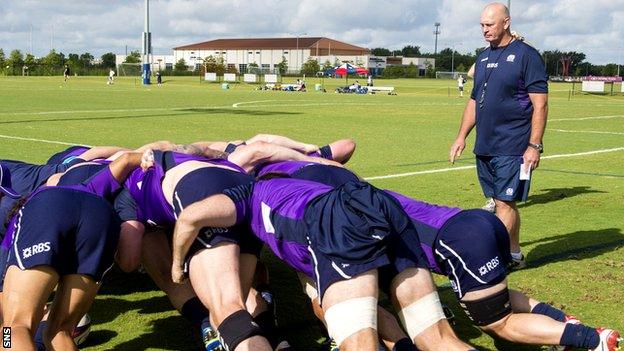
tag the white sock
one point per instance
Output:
(517, 255)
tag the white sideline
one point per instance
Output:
(584, 118)
(42, 140)
(585, 131)
(449, 169)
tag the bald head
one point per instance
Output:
(495, 24)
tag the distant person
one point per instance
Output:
(158, 79)
(369, 81)
(66, 73)
(508, 105)
(460, 85)
(111, 77)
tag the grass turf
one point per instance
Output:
(571, 226)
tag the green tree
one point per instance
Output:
(381, 52)
(134, 57)
(109, 60)
(2, 60)
(30, 61)
(410, 51)
(327, 65)
(180, 66)
(252, 68)
(310, 67)
(282, 67)
(15, 62)
(52, 61)
(86, 59)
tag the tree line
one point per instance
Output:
(449, 59)
(18, 63)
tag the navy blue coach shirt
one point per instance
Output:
(504, 112)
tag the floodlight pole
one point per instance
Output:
(147, 46)
(436, 32)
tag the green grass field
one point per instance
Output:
(572, 225)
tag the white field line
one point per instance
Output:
(449, 169)
(41, 140)
(585, 118)
(584, 131)
(112, 110)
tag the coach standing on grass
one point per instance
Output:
(509, 106)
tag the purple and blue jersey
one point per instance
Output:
(504, 78)
(103, 185)
(146, 186)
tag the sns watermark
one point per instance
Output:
(6, 337)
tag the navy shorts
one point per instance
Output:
(202, 183)
(500, 177)
(472, 248)
(77, 175)
(72, 231)
(328, 175)
(66, 155)
(356, 228)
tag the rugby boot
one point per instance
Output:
(211, 340)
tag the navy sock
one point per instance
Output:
(39, 336)
(196, 313)
(550, 311)
(404, 344)
(580, 336)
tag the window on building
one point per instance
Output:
(250, 52)
(257, 52)
(168, 65)
(285, 52)
(197, 66)
(266, 68)
(242, 68)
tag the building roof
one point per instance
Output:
(274, 43)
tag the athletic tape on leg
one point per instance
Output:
(348, 317)
(421, 314)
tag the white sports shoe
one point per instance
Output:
(609, 340)
(490, 205)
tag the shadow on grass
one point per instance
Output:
(174, 113)
(556, 194)
(119, 283)
(171, 333)
(576, 246)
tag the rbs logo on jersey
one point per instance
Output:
(35, 249)
(485, 269)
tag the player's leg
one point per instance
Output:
(389, 330)
(508, 213)
(416, 299)
(215, 273)
(24, 297)
(350, 308)
(74, 297)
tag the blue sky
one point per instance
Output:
(595, 27)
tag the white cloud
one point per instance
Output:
(596, 27)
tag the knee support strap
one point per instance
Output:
(488, 310)
(421, 314)
(348, 317)
(237, 327)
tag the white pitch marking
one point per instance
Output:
(42, 140)
(585, 118)
(449, 169)
(114, 110)
(584, 131)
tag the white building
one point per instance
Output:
(268, 52)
